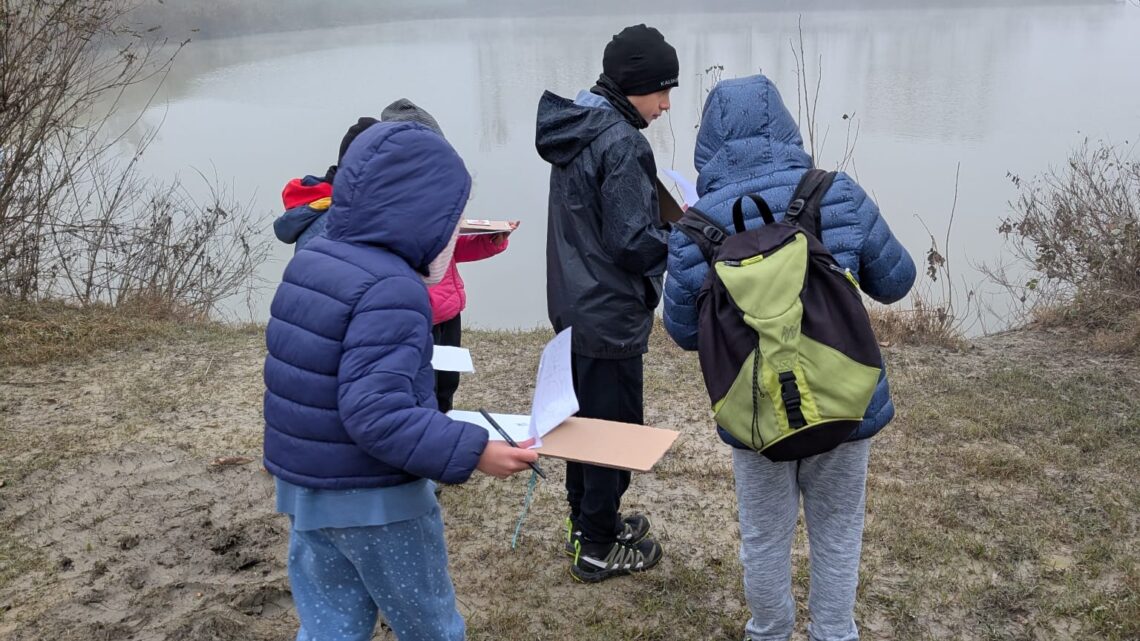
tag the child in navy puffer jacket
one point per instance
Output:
(353, 436)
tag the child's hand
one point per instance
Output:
(502, 460)
(501, 237)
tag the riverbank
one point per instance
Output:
(1002, 500)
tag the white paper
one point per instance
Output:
(688, 189)
(445, 358)
(554, 398)
(516, 425)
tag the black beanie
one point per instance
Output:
(353, 132)
(640, 61)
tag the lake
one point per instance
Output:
(992, 90)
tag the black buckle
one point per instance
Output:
(713, 234)
(795, 207)
(790, 395)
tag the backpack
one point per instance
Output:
(785, 344)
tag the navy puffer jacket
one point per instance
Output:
(349, 399)
(749, 144)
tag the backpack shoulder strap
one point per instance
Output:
(705, 233)
(804, 209)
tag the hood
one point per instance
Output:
(400, 187)
(746, 131)
(293, 223)
(565, 127)
(302, 191)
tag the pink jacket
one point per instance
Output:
(448, 297)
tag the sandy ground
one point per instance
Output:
(134, 506)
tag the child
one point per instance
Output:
(352, 433)
(748, 143)
(448, 297)
(605, 258)
(307, 199)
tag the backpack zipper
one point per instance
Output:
(846, 274)
(744, 262)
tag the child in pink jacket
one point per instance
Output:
(447, 297)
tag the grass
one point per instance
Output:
(1122, 336)
(1002, 501)
(922, 324)
(38, 333)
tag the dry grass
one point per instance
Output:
(1121, 337)
(921, 324)
(37, 333)
(1002, 502)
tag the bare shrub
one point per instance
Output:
(75, 220)
(59, 59)
(1077, 231)
(807, 109)
(159, 248)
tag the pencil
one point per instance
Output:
(511, 441)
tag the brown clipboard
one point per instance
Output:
(667, 206)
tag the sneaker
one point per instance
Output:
(593, 562)
(635, 527)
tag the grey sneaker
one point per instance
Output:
(635, 527)
(594, 562)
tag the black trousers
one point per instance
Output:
(449, 332)
(611, 390)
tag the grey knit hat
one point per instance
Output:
(404, 110)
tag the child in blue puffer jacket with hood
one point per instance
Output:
(748, 143)
(352, 431)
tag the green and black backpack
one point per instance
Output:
(786, 347)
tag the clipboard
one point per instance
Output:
(668, 209)
(470, 226)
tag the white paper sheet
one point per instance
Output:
(688, 189)
(517, 425)
(445, 358)
(554, 399)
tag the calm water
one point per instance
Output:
(997, 90)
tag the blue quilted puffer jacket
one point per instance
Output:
(349, 399)
(749, 144)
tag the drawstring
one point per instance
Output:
(526, 508)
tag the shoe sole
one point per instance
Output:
(601, 575)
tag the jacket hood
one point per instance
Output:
(400, 187)
(746, 131)
(293, 223)
(302, 191)
(565, 127)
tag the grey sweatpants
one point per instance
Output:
(833, 486)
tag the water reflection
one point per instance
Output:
(996, 89)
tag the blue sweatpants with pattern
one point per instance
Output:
(342, 577)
